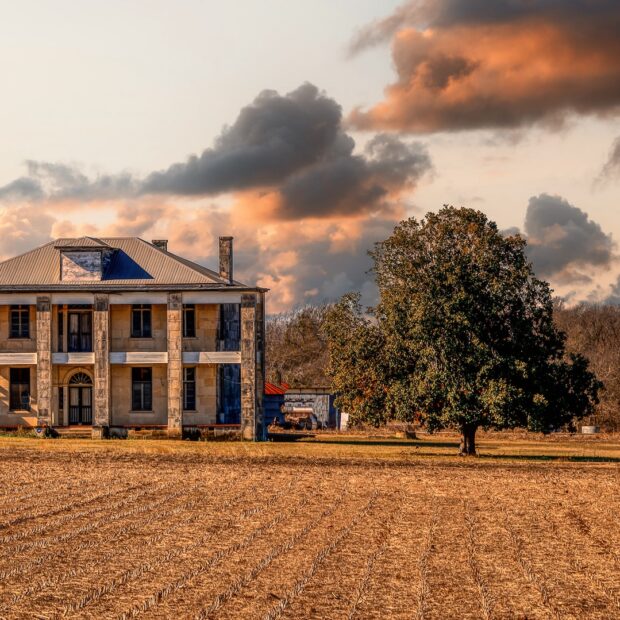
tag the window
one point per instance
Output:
(189, 321)
(141, 389)
(20, 322)
(61, 330)
(189, 389)
(19, 397)
(141, 321)
(80, 331)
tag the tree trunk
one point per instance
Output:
(468, 440)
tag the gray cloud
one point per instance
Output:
(24, 188)
(562, 239)
(349, 184)
(292, 144)
(52, 181)
(271, 138)
(449, 13)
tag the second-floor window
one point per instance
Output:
(189, 389)
(141, 389)
(141, 321)
(20, 322)
(19, 396)
(189, 321)
(80, 336)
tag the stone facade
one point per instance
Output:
(86, 366)
(207, 319)
(120, 329)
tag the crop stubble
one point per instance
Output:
(121, 534)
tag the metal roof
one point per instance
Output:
(135, 264)
(82, 242)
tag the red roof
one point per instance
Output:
(272, 388)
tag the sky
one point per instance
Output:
(308, 129)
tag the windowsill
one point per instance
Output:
(141, 411)
(190, 410)
(21, 411)
(19, 338)
(190, 337)
(141, 338)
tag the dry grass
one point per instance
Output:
(337, 528)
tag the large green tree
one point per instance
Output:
(463, 335)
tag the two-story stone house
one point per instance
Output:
(119, 332)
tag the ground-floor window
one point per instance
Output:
(142, 389)
(19, 397)
(189, 389)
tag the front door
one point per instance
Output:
(80, 405)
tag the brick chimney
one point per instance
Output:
(226, 259)
(162, 244)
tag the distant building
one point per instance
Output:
(119, 332)
(317, 400)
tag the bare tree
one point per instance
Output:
(594, 331)
(296, 347)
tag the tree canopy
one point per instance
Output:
(463, 335)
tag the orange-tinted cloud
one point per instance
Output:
(468, 64)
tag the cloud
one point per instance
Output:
(22, 228)
(286, 156)
(60, 182)
(563, 242)
(611, 169)
(24, 188)
(471, 64)
(272, 138)
(303, 203)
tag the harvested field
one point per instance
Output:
(178, 530)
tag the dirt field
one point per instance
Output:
(387, 530)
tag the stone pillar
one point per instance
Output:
(252, 366)
(175, 364)
(101, 339)
(44, 360)
(261, 431)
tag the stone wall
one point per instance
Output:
(206, 397)
(16, 345)
(207, 317)
(20, 418)
(120, 329)
(121, 414)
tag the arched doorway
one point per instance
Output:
(80, 399)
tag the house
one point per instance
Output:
(120, 333)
